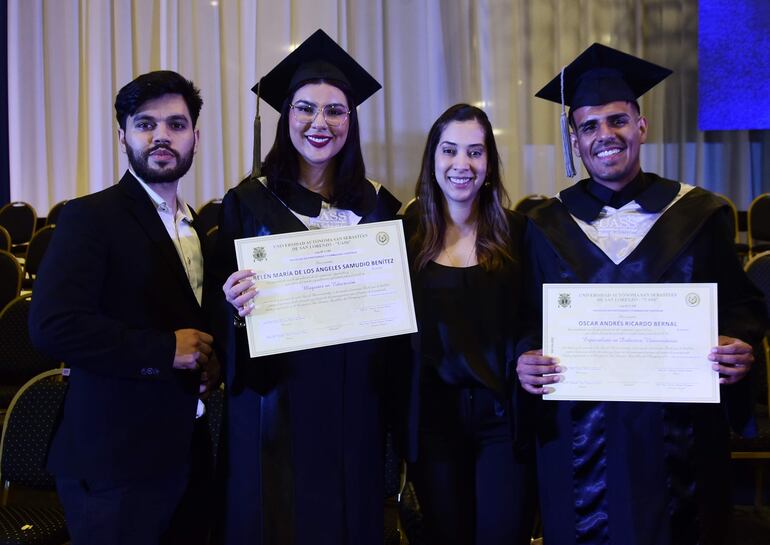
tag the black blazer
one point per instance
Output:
(110, 293)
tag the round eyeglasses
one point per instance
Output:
(334, 114)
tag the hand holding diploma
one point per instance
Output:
(733, 359)
(537, 371)
(240, 291)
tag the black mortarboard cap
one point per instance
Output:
(318, 57)
(599, 75)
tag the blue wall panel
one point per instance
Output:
(734, 64)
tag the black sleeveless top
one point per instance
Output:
(467, 318)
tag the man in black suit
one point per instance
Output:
(118, 299)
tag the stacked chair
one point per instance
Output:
(34, 256)
(19, 360)
(757, 449)
(19, 219)
(53, 213)
(758, 218)
(529, 203)
(740, 247)
(10, 278)
(5, 239)
(208, 215)
(27, 431)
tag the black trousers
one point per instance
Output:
(471, 486)
(136, 512)
(171, 509)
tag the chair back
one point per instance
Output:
(53, 213)
(758, 271)
(19, 218)
(733, 215)
(5, 239)
(210, 242)
(10, 278)
(19, 360)
(29, 425)
(35, 251)
(208, 215)
(758, 218)
(529, 203)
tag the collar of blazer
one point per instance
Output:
(140, 206)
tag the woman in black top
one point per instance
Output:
(472, 478)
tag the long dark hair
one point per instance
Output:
(282, 161)
(492, 232)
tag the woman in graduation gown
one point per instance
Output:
(473, 479)
(303, 429)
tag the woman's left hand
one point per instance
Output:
(733, 359)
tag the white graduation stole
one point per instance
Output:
(618, 231)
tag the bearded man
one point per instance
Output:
(119, 300)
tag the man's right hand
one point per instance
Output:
(193, 349)
(537, 371)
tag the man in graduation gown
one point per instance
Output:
(633, 473)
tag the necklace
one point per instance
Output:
(453, 263)
(457, 260)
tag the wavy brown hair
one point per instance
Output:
(493, 238)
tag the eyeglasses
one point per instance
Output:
(334, 114)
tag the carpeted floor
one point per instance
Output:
(751, 526)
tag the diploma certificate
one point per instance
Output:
(327, 286)
(632, 342)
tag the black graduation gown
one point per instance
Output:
(641, 473)
(303, 434)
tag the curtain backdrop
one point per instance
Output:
(68, 58)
